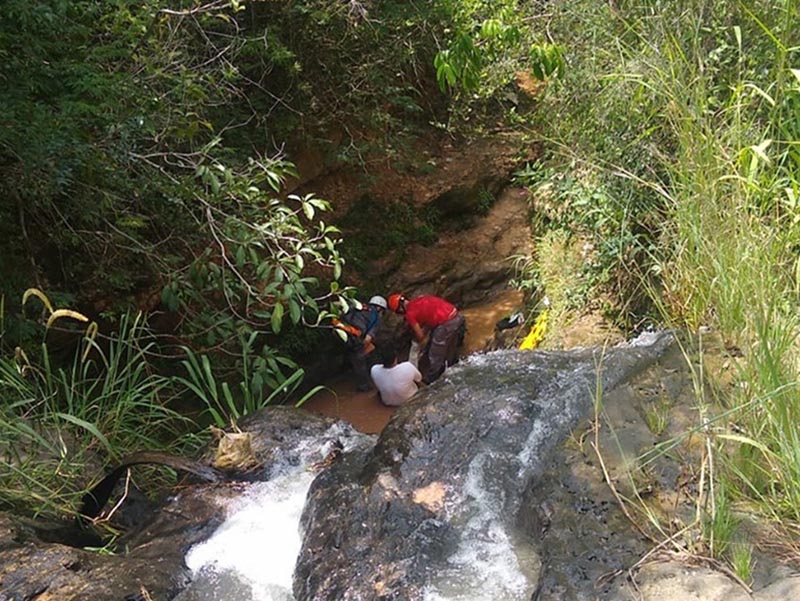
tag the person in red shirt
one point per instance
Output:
(437, 326)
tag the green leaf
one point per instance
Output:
(309, 394)
(211, 381)
(219, 419)
(169, 298)
(512, 36)
(263, 270)
(294, 311)
(257, 383)
(319, 203)
(213, 181)
(491, 28)
(277, 318)
(288, 385)
(89, 427)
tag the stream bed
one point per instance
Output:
(432, 510)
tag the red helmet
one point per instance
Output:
(394, 301)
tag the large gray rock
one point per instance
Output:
(434, 508)
(675, 581)
(463, 496)
(32, 569)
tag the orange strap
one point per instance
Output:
(352, 330)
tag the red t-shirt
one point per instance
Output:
(429, 311)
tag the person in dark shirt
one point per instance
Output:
(360, 325)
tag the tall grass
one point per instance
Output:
(730, 243)
(261, 382)
(60, 426)
(692, 108)
(63, 423)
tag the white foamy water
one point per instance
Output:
(251, 556)
(487, 563)
(260, 539)
(645, 338)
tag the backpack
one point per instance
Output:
(357, 323)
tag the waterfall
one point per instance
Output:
(251, 556)
(488, 563)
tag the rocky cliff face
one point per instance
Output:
(480, 221)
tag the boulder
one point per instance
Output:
(433, 508)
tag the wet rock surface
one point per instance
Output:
(592, 551)
(588, 544)
(437, 501)
(31, 569)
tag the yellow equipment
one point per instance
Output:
(536, 335)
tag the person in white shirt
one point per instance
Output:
(396, 382)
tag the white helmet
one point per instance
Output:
(378, 301)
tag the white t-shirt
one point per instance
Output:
(396, 384)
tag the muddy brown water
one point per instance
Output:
(365, 411)
(340, 400)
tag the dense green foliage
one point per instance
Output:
(145, 164)
(141, 143)
(129, 166)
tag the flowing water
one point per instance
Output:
(530, 402)
(490, 561)
(251, 556)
